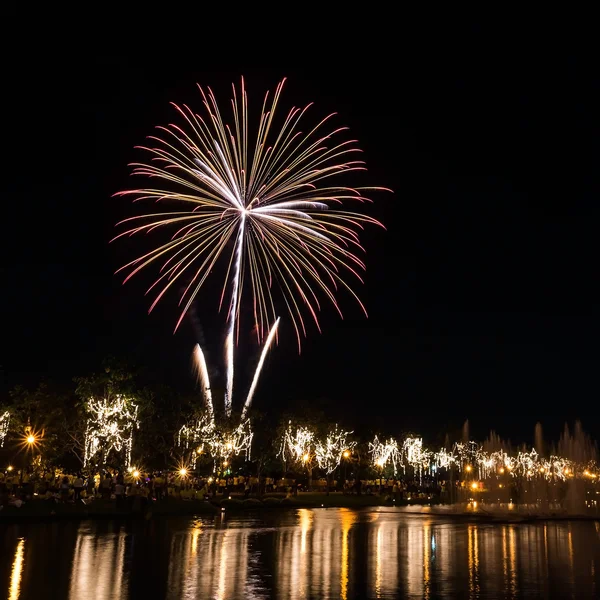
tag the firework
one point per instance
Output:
(4, 424)
(266, 203)
(109, 427)
(202, 373)
(263, 355)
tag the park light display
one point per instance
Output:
(110, 426)
(297, 444)
(221, 444)
(329, 451)
(385, 453)
(472, 460)
(4, 425)
(264, 203)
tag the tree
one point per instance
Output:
(112, 405)
(39, 419)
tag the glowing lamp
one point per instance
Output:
(31, 439)
(501, 469)
(136, 474)
(305, 458)
(10, 468)
(474, 486)
(469, 468)
(183, 472)
(346, 453)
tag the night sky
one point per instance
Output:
(483, 294)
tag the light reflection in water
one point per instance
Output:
(326, 554)
(17, 571)
(98, 565)
(416, 552)
(384, 544)
(348, 518)
(313, 560)
(512, 560)
(427, 543)
(213, 563)
(473, 550)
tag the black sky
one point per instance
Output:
(483, 294)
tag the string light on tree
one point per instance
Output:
(297, 444)
(220, 443)
(472, 460)
(329, 452)
(385, 453)
(110, 427)
(4, 425)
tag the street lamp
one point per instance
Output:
(346, 455)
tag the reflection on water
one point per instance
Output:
(98, 565)
(326, 553)
(208, 562)
(17, 571)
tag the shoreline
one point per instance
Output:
(39, 511)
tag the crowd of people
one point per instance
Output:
(134, 488)
(17, 487)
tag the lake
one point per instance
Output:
(305, 553)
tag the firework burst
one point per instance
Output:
(266, 204)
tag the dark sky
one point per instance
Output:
(483, 294)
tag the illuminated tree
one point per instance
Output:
(330, 449)
(203, 436)
(111, 406)
(297, 446)
(4, 424)
(110, 426)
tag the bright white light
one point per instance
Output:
(110, 426)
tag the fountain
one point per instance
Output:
(465, 432)
(579, 448)
(538, 440)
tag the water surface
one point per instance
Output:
(323, 553)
